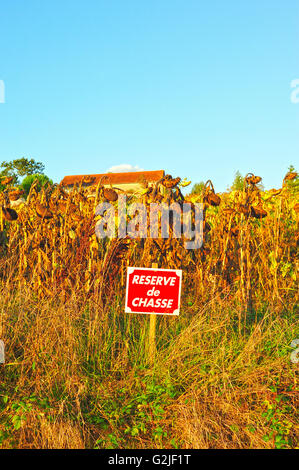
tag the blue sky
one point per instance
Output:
(198, 88)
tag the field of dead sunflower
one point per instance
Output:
(76, 373)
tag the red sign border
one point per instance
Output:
(179, 273)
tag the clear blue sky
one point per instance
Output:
(198, 88)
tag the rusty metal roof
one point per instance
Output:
(114, 178)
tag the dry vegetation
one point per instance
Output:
(76, 372)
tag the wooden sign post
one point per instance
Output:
(153, 291)
(2, 354)
(152, 332)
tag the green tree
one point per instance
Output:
(21, 167)
(29, 179)
(197, 188)
(238, 183)
(293, 185)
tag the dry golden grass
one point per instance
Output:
(77, 373)
(82, 380)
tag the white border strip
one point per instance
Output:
(178, 272)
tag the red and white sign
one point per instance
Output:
(151, 290)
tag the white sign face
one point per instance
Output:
(2, 356)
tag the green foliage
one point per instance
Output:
(197, 188)
(293, 185)
(16, 414)
(276, 418)
(238, 183)
(21, 167)
(141, 415)
(28, 180)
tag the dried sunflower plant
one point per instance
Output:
(75, 371)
